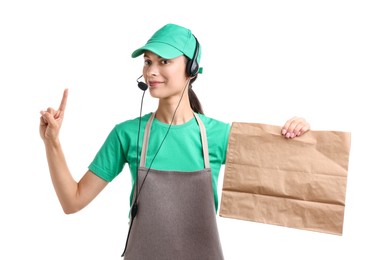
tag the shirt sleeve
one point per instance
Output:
(110, 159)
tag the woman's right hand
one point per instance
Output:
(51, 121)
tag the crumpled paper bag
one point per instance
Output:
(298, 183)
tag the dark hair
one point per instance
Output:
(195, 104)
(194, 101)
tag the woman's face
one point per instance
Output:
(166, 78)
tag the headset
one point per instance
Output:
(192, 69)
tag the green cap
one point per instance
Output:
(169, 42)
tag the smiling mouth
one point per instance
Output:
(154, 83)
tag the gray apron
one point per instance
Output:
(176, 217)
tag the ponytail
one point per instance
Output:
(194, 101)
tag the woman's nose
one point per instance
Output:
(152, 70)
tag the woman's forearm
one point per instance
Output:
(66, 187)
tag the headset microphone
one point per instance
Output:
(143, 86)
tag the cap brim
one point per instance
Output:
(163, 50)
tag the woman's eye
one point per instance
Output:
(164, 62)
(147, 62)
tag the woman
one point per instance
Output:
(174, 156)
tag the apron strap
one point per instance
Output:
(147, 135)
(203, 135)
(144, 148)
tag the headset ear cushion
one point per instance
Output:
(192, 68)
(188, 68)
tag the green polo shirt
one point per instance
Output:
(181, 150)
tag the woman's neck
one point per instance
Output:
(183, 113)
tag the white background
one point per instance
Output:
(264, 61)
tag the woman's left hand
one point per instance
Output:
(295, 127)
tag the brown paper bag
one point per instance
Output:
(298, 183)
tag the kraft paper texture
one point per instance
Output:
(298, 183)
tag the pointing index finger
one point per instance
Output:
(63, 103)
